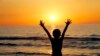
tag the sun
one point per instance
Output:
(53, 18)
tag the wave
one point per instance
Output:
(11, 44)
(82, 38)
(95, 35)
(45, 54)
(82, 47)
(9, 53)
(45, 38)
(77, 45)
(69, 42)
(22, 38)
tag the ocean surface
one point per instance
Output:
(80, 40)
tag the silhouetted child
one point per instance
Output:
(57, 41)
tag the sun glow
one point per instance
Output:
(53, 18)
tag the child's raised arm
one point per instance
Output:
(42, 24)
(67, 24)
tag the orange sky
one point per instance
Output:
(29, 12)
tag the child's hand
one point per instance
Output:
(41, 23)
(68, 21)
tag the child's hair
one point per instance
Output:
(56, 33)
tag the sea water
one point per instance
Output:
(80, 40)
(73, 30)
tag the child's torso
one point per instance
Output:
(57, 45)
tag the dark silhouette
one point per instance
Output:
(57, 41)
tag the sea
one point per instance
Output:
(80, 40)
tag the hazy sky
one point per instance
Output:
(29, 12)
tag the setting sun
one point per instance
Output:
(53, 18)
(30, 12)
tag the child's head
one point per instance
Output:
(56, 33)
